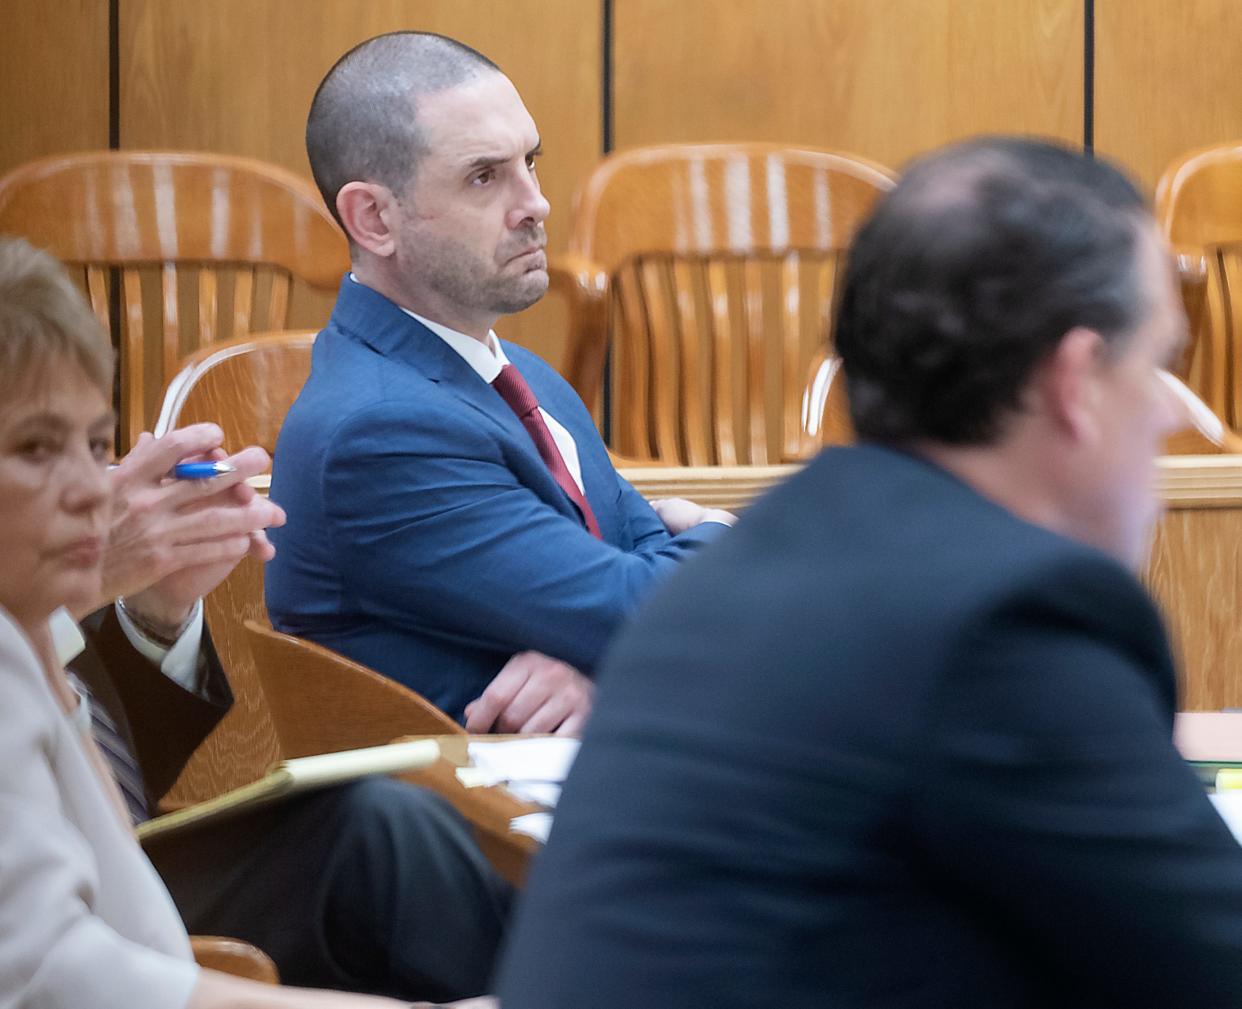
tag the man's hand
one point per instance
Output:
(678, 514)
(533, 693)
(173, 541)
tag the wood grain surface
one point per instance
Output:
(53, 78)
(238, 77)
(1166, 79)
(885, 79)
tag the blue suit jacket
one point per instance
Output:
(426, 537)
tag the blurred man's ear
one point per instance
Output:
(364, 208)
(1066, 387)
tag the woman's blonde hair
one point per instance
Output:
(44, 319)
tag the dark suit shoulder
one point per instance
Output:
(163, 721)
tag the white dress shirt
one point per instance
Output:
(180, 662)
(487, 360)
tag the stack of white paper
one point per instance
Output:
(532, 769)
(1229, 806)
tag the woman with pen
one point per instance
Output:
(84, 920)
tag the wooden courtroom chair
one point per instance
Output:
(205, 247)
(1204, 432)
(825, 406)
(246, 386)
(708, 272)
(1199, 209)
(826, 419)
(321, 702)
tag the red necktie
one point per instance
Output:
(514, 391)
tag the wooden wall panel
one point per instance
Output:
(1195, 574)
(238, 77)
(882, 78)
(1166, 79)
(53, 78)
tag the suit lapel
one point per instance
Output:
(368, 317)
(371, 319)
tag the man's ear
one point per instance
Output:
(364, 208)
(1067, 387)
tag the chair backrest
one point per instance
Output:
(825, 405)
(187, 248)
(826, 418)
(321, 702)
(1204, 432)
(722, 262)
(246, 386)
(1199, 209)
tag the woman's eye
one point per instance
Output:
(485, 177)
(101, 449)
(36, 449)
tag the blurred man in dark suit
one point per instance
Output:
(903, 739)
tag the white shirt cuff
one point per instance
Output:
(179, 663)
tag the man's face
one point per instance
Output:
(469, 228)
(1135, 412)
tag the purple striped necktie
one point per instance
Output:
(116, 751)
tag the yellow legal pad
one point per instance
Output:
(291, 777)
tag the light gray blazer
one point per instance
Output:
(84, 919)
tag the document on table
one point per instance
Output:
(1229, 806)
(532, 769)
(534, 825)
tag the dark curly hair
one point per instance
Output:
(970, 272)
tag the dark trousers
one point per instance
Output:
(376, 886)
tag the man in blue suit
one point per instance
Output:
(454, 520)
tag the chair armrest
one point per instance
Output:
(1192, 275)
(232, 956)
(584, 285)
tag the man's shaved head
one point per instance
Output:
(363, 119)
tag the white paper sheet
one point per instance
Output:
(532, 769)
(1229, 806)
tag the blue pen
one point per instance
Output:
(201, 470)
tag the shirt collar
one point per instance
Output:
(66, 636)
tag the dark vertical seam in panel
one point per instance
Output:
(606, 66)
(114, 75)
(1088, 76)
(606, 136)
(114, 143)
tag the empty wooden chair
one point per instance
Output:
(1204, 433)
(826, 418)
(246, 386)
(186, 249)
(717, 265)
(1199, 209)
(321, 702)
(825, 406)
